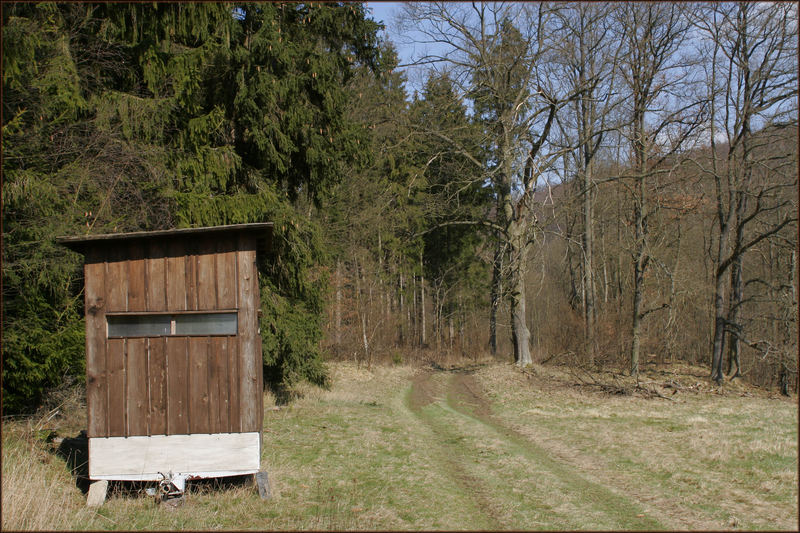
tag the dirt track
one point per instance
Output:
(495, 464)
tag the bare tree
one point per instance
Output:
(662, 115)
(589, 56)
(752, 87)
(500, 57)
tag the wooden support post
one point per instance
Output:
(97, 493)
(262, 481)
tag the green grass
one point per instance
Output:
(543, 455)
(705, 461)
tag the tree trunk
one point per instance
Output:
(362, 316)
(734, 349)
(495, 298)
(520, 335)
(586, 134)
(381, 292)
(605, 267)
(451, 332)
(588, 268)
(620, 249)
(719, 308)
(337, 334)
(413, 324)
(400, 336)
(364, 336)
(422, 339)
(461, 323)
(639, 266)
(793, 281)
(575, 293)
(437, 319)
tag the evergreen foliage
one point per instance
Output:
(120, 117)
(372, 205)
(456, 191)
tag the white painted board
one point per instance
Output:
(200, 455)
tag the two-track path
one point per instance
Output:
(511, 481)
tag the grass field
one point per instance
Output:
(470, 447)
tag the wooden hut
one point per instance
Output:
(173, 353)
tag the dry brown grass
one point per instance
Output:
(703, 459)
(39, 492)
(362, 456)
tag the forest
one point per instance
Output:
(596, 185)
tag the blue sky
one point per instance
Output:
(387, 13)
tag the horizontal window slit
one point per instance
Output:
(159, 325)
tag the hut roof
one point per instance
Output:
(80, 243)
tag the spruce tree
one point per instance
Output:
(122, 117)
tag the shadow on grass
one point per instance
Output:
(75, 451)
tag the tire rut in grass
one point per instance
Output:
(465, 396)
(424, 392)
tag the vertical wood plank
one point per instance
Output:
(198, 385)
(136, 387)
(96, 379)
(155, 274)
(249, 386)
(191, 276)
(259, 358)
(136, 278)
(116, 282)
(206, 276)
(212, 387)
(234, 363)
(177, 376)
(218, 385)
(260, 378)
(157, 387)
(115, 361)
(226, 276)
(176, 277)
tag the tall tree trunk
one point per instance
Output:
(575, 296)
(588, 267)
(337, 335)
(639, 265)
(461, 325)
(520, 335)
(793, 280)
(719, 297)
(586, 153)
(422, 339)
(605, 265)
(719, 328)
(414, 314)
(362, 315)
(495, 297)
(734, 348)
(381, 292)
(451, 332)
(364, 337)
(620, 249)
(437, 318)
(400, 335)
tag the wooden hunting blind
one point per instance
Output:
(173, 352)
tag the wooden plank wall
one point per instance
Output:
(250, 377)
(177, 384)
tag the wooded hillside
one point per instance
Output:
(599, 185)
